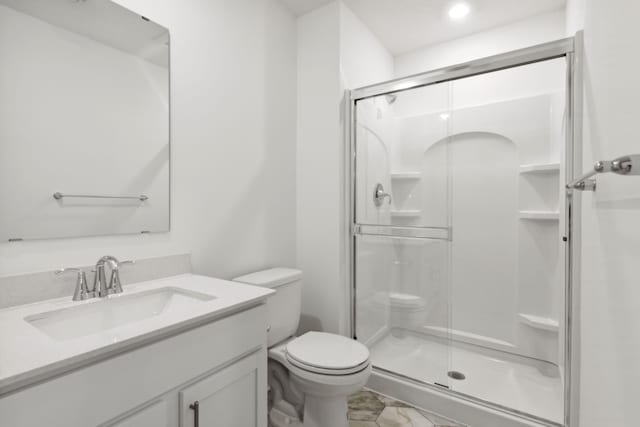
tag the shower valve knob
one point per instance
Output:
(379, 195)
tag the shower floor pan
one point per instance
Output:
(506, 380)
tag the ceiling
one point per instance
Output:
(405, 25)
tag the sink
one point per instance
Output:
(113, 311)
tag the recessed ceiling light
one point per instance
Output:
(458, 11)
(445, 116)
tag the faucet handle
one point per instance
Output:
(67, 270)
(115, 284)
(82, 291)
(114, 263)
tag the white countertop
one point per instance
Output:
(28, 355)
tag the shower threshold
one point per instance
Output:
(505, 380)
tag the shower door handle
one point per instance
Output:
(379, 195)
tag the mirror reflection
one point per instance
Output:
(84, 120)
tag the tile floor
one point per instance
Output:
(369, 409)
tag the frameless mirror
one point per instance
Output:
(84, 120)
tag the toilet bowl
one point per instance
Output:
(310, 376)
(325, 369)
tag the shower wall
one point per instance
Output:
(482, 156)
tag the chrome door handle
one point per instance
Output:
(195, 406)
(379, 195)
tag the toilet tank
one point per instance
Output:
(283, 307)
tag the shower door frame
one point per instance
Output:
(568, 48)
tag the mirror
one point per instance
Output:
(84, 120)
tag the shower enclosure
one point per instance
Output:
(459, 229)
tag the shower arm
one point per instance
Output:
(625, 165)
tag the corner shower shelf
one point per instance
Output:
(406, 175)
(540, 168)
(540, 215)
(407, 213)
(539, 322)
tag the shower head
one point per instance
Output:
(391, 98)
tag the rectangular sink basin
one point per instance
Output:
(117, 310)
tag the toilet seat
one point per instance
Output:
(327, 354)
(322, 371)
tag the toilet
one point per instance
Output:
(310, 376)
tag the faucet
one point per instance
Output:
(100, 286)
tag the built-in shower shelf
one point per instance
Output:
(406, 213)
(539, 322)
(540, 215)
(405, 175)
(540, 168)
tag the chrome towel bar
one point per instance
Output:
(625, 165)
(60, 196)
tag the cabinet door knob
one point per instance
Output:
(195, 406)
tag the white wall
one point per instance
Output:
(319, 170)
(574, 16)
(335, 51)
(610, 295)
(233, 145)
(363, 59)
(529, 32)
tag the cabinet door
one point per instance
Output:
(232, 397)
(154, 415)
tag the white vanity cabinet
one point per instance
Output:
(221, 365)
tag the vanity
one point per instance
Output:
(179, 351)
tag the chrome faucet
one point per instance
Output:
(101, 288)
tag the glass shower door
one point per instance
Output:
(460, 226)
(402, 232)
(507, 145)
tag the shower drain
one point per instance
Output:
(456, 375)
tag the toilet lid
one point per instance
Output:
(327, 352)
